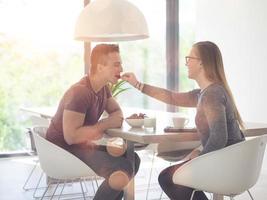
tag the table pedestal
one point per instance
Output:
(129, 190)
(217, 197)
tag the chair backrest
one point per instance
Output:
(37, 120)
(229, 171)
(55, 161)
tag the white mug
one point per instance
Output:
(180, 122)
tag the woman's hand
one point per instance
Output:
(130, 78)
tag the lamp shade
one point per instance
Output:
(110, 20)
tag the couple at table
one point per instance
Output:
(77, 122)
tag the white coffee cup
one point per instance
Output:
(180, 122)
(150, 122)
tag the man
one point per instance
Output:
(76, 123)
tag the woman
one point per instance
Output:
(217, 119)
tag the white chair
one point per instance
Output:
(58, 163)
(228, 172)
(39, 121)
(171, 152)
(36, 120)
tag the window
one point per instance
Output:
(146, 58)
(187, 20)
(38, 61)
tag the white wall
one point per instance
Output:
(239, 28)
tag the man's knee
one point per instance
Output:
(118, 180)
(128, 166)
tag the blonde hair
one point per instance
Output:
(212, 62)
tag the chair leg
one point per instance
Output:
(64, 183)
(217, 197)
(93, 185)
(96, 182)
(192, 195)
(46, 189)
(250, 195)
(27, 180)
(84, 182)
(29, 177)
(37, 186)
(150, 174)
(54, 191)
(82, 190)
(210, 196)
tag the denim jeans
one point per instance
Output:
(174, 191)
(104, 164)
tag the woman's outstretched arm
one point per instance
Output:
(186, 99)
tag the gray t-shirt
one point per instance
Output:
(79, 98)
(215, 120)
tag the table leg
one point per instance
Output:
(129, 190)
(217, 197)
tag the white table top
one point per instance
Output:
(46, 112)
(147, 136)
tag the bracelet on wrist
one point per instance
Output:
(136, 84)
(141, 87)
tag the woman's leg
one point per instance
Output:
(110, 167)
(177, 192)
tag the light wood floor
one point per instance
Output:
(14, 171)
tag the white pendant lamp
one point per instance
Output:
(110, 20)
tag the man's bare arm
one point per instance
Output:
(75, 132)
(115, 118)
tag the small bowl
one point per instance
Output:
(135, 123)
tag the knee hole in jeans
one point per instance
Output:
(118, 180)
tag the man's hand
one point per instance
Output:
(130, 78)
(95, 130)
(74, 130)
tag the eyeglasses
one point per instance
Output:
(187, 58)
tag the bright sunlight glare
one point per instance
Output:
(46, 23)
